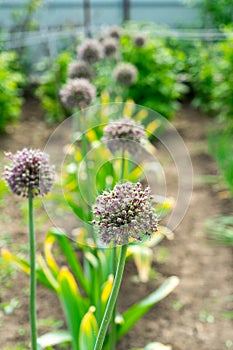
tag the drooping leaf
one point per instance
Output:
(48, 244)
(138, 310)
(24, 266)
(71, 257)
(157, 346)
(143, 259)
(54, 338)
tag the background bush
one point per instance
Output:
(50, 83)
(11, 81)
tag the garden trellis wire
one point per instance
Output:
(10, 41)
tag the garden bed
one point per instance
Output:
(192, 317)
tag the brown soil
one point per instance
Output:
(191, 318)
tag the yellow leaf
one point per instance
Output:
(91, 135)
(105, 97)
(80, 235)
(66, 275)
(118, 99)
(128, 108)
(78, 155)
(71, 186)
(143, 259)
(48, 244)
(12, 258)
(151, 127)
(107, 289)
(47, 272)
(88, 330)
(136, 173)
(142, 114)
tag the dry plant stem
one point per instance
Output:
(32, 274)
(112, 299)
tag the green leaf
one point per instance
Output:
(71, 257)
(138, 310)
(24, 266)
(78, 210)
(157, 346)
(75, 306)
(54, 338)
(143, 259)
(88, 330)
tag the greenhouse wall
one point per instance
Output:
(103, 12)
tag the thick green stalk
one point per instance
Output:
(32, 275)
(122, 167)
(114, 257)
(113, 324)
(84, 151)
(112, 299)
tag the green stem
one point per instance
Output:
(112, 299)
(32, 275)
(85, 158)
(114, 258)
(122, 167)
(84, 151)
(113, 324)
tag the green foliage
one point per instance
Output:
(209, 68)
(201, 71)
(210, 75)
(3, 191)
(221, 229)
(223, 88)
(82, 316)
(215, 13)
(158, 86)
(221, 147)
(23, 20)
(160, 71)
(50, 83)
(11, 81)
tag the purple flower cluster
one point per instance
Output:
(114, 32)
(80, 69)
(90, 51)
(124, 134)
(139, 40)
(110, 47)
(77, 93)
(125, 213)
(125, 74)
(30, 173)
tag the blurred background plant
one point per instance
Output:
(11, 84)
(24, 21)
(220, 229)
(52, 77)
(214, 14)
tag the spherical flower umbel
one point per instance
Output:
(115, 32)
(77, 93)
(110, 47)
(139, 40)
(90, 51)
(124, 214)
(80, 69)
(29, 173)
(125, 74)
(124, 134)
